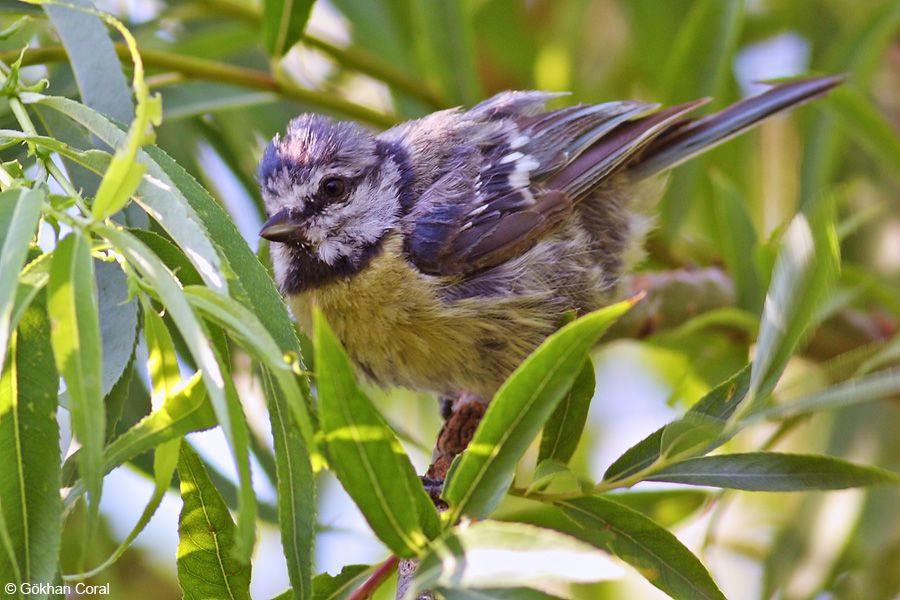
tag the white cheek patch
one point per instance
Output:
(344, 230)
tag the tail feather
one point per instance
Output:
(686, 140)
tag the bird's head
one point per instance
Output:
(332, 192)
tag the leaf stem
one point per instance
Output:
(208, 70)
(28, 127)
(381, 574)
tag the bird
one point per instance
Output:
(446, 249)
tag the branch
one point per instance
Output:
(381, 574)
(208, 70)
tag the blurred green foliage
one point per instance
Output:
(231, 73)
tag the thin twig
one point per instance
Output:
(381, 574)
(209, 70)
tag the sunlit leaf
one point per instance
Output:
(296, 487)
(207, 538)
(283, 24)
(222, 397)
(720, 404)
(20, 211)
(75, 334)
(159, 196)
(490, 554)
(29, 441)
(338, 587)
(804, 271)
(649, 548)
(481, 475)
(366, 455)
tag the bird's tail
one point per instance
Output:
(685, 139)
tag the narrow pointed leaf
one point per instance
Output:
(207, 538)
(98, 71)
(482, 474)
(242, 323)
(804, 271)
(283, 24)
(29, 443)
(774, 472)
(221, 395)
(118, 327)
(649, 548)
(497, 554)
(719, 404)
(366, 455)
(563, 431)
(295, 486)
(75, 328)
(338, 587)
(20, 211)
(158, 195)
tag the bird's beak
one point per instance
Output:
(283, 227)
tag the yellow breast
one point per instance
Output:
(400, 331)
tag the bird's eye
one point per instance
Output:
(333, 187)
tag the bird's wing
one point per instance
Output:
(530, 167)
(498, 198)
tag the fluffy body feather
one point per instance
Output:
(443, 251)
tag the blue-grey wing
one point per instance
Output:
(499, 196)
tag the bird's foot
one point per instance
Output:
(462, 413)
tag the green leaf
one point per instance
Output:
(124, 174)
(700, 56)
(243, 324)
(495, 554)
(697, 66)
(666, 507)
(283, 24)
(720, 403)
(157, 194)
(162, 364)
(481, 475)
(338, 587)
(650, 549)
(296, 490)
(75, 329)
(737, 240)
(446, 45)
(207, 538)
(213, 370)
(185, 411)
(97, 69)
(774, 472)
(118, 327)
(878, 386)
(563, 430)
(866, 125)
(29, 442)
(801, 280)
(857, 50)
(366, 455)
(20, 211)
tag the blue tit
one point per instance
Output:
(444, 250)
